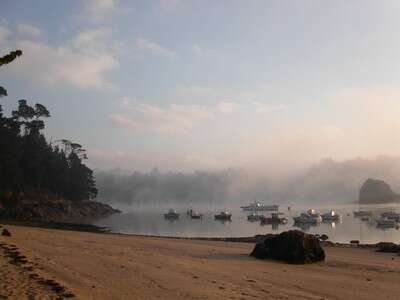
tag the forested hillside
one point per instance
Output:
(41, 179)
(28, 161)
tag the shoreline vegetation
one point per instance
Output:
(87, 265)
(41, 179)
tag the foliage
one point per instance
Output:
(28, 161)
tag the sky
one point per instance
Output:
(187, 85)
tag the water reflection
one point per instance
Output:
(273, 226)
(223, 221)
(150, 222)
(305, 226)
(333, 224)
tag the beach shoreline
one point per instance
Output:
(90, 265)
(87, 227)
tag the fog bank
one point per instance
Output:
(325, 182)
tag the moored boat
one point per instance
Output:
(310, 217)
(196, 215)
(391, 215)
(223, 215)
(331, 216)
(274, 219)
(172, 214)
(254, 217)
(257, 206)
(388, 223)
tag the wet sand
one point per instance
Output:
(60, 263)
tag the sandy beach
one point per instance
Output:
(57, 264)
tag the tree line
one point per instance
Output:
(155, 187)
(29, 162)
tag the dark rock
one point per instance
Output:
(324, 237)
(5, 232)
(45, 206)
(377, 191)
(388, 247)
(292, 246)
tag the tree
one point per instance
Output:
(6, 60)
(28, 161)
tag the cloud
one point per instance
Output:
(203, 52)
(153, 48)
(28, 30)
(265, 108)
(59, 65)
(4, 34)
(228, 107)
(169, 5)
(171, 119)
(96, 41)
(83, 61)
(98, 10)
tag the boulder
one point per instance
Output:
(324, 237)
(5, 232)
(294, 246)
(388, 247)
(377, 191)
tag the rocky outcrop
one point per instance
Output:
(377, 191)
(294, 246)
(40, 206)
(388, 247)
(5, 232)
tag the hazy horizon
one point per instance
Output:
(327, 182)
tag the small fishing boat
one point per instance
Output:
(223, 215)
(274, 219)
(331, 216)
(391, 215)
(253, 217)
(172, 214)
(196, 215)
(310, 217)
(257, 206)
(387, 223)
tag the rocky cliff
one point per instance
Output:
(377, 191)
(44, 206)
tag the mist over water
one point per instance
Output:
(326, 185)
(327, 181)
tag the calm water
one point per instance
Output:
(152, 222)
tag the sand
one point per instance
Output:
(60, 263)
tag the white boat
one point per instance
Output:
(391, 215)
(172, 214)
(310, 217)
(257, 206)
(254, 217)
(196, 215)
(331, 216)
(274, 219)
(387, 223)
(223, 215)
